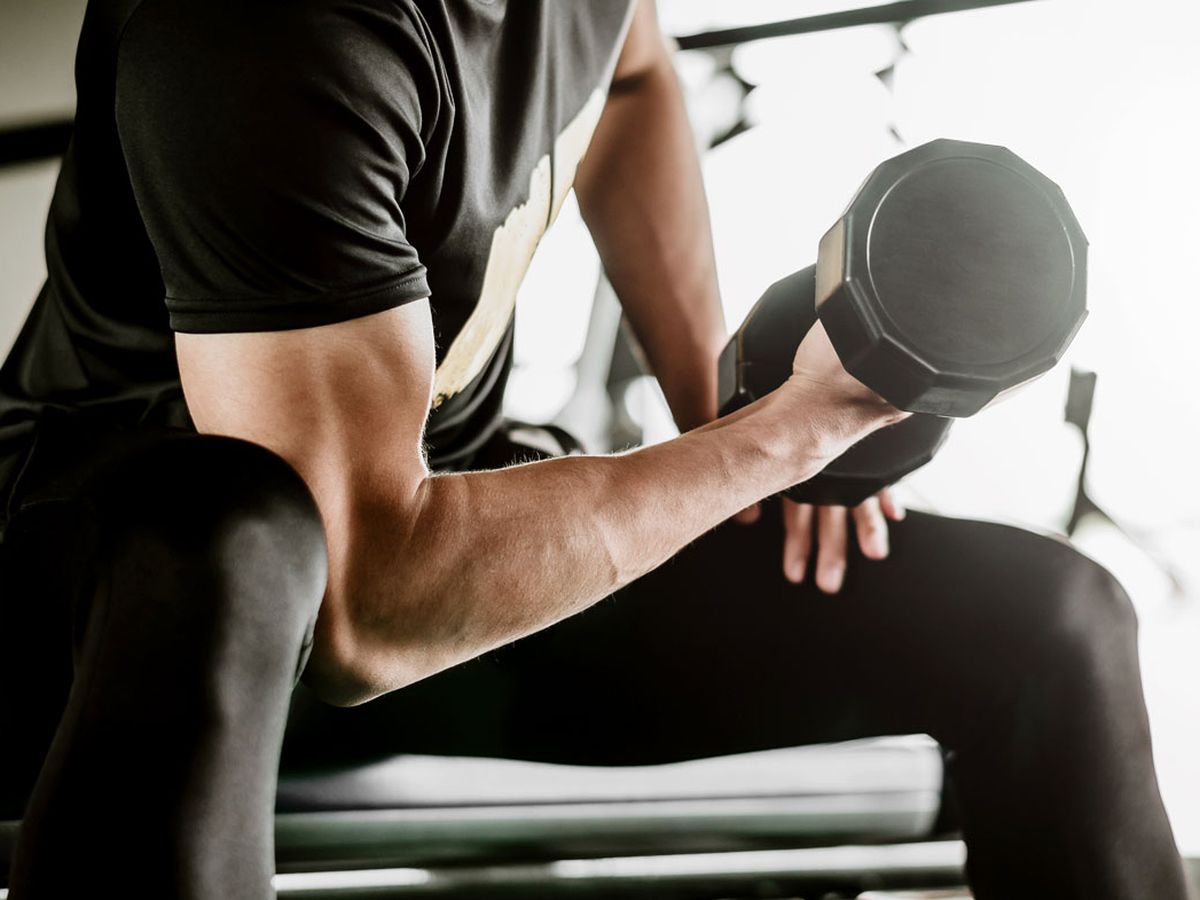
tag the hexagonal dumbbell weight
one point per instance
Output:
(958, 272)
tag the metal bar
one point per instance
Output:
(889, 13)
(34, 142)
(359, 838)
(761, 873)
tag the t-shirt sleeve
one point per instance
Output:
(270, 147)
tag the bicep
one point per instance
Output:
(345, 403)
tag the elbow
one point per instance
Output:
(337, 672)
(372, 637)
(352, 661)
(347, 666)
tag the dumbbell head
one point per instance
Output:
(958, 271)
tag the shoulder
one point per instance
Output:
(357, 44)
(340, 62)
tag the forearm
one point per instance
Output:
(642, 197)
(481, 559)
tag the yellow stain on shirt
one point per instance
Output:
(512, 250)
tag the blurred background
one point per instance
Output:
(1102, 95)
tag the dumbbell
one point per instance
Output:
(958, 272)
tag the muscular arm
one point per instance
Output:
(652, 230)
(429, 570)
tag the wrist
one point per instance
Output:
(817, 425)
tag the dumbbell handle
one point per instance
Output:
(777, 324)
(793, 314)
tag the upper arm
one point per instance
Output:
(643, 50)
(345, 404)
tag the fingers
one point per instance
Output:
(871, 528)
(749, 515)
(832, 527)
(797, 539)
(892, 507)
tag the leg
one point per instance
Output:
(1014, 651)
(204, 569)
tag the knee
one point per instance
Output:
(224, 514)
(1089, 618)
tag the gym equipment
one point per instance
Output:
(809, 820)
(951, 894)
(957, 273)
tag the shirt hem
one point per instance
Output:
(222, 314)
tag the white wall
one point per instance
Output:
(24, 196)
(37, 50)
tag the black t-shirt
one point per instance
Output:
(260, 165)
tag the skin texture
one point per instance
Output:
(427, 571)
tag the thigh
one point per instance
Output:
(82, 487)
(39, 578)
(715, 652)
(47, 568)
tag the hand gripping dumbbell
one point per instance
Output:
(957, 273)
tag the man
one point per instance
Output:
(309, 221)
